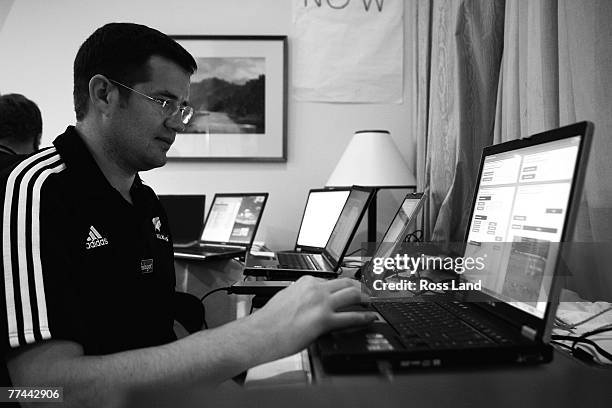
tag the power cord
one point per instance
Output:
(580, 353)
(227, 289)
(354, 252)
(416, 236)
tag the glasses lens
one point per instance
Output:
(170, 107)
(186, 114)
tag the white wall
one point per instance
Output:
(40, 38)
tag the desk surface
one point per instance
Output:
(562, 383)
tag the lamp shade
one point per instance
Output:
(371, 159)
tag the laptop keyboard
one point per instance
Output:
(297, 261)
(438, 325)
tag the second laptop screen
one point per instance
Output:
(233, 219)
(321, 214)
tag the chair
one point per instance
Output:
(188, 311)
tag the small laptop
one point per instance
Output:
(525, 204)
(402, 225)
(185, 217)
(404, 218)
(323, 208)
(229, 229)
(292, 265)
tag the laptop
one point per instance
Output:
(323, 207)
(185, 217)
(292, 265)
(404, 218)
(229, 229)
(525, 204)
(401, 227)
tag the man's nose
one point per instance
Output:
(175, 123)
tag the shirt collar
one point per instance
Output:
(6, 149)
(77, 157)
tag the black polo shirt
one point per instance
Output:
(79, 262)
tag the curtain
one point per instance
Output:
(459, 56)
(557, 70)
(492, 71)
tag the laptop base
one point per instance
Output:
(430, 359)
(196, 253)
(292, 275)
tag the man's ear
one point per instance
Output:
(102, 94)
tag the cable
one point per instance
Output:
(227, 289)
(416, 236)
(583, 339)
(354, 252)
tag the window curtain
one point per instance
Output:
(492, 71)
(459, 50)
(557, 70)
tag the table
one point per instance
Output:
(563, 383)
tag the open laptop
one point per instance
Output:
(229, 229)
(525, 203)
(292, 265)
(323, 207)
(405, 217)
(185, 217)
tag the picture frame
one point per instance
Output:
(239, 96)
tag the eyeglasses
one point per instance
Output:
(170, 107)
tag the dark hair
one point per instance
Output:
(120, 51)
(20, 119)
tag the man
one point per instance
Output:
(88, 281)
(20, 128)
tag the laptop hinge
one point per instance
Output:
(528, 332)
(326, 259)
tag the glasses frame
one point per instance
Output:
(186, 111)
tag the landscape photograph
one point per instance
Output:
(228, 96)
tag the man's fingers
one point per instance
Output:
(347, 319)
(342, 283)
(345, 297)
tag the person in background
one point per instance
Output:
(20, 128)
(87, 261)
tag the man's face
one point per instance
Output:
(139, 134)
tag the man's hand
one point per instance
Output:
(297, 315)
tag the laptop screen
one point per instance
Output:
(185, 216)
(322, 210)
(520, 212)
(233, 218)
(406, 213)
(350, 216)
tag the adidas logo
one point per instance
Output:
(95, 239)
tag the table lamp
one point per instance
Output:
(372, 159)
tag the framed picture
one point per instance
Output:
(239, 96)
